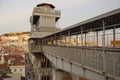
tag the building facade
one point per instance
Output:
(18, 69)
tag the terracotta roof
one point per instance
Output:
(13, 50)
(3, 66)
(17, 52)
(16, 60)
(18, 63)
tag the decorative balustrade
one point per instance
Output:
(46, 11)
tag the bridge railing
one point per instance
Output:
(88, 58)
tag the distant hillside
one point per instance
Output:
(15, 34)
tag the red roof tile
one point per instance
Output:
(4, 65)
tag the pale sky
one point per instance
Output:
(15, 14)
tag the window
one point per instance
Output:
(14, 70)
(20, 69)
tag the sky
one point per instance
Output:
(15, 14)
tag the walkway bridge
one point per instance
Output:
(90, 48)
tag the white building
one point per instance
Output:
(18, 69)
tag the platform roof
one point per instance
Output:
(39, 34)
(93, 20)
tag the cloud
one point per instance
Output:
(14, 17)
(67, 3)
(17, 12)
(21, 13)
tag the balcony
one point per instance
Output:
(34, 45)
(35, 48)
